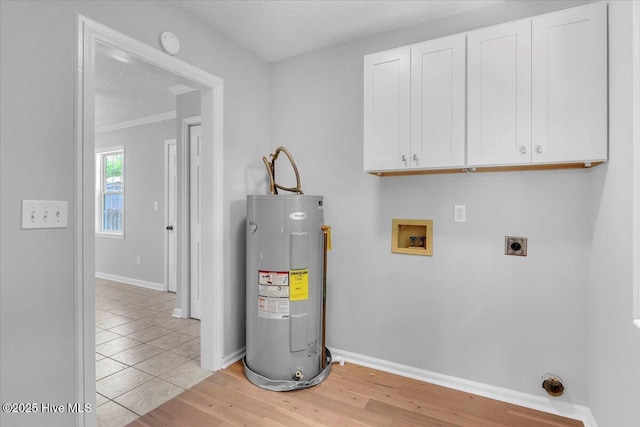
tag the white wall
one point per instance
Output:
(613, 341)
(37, 82)
(469, 311)
(144, 184)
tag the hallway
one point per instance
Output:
(144, 356)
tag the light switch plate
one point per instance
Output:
(44, 214)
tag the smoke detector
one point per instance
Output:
(169, 43)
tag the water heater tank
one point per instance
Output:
(284, 341)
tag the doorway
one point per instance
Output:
(91, 37)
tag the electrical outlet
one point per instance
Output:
(515, 246)
(138, 259)
(460, 213)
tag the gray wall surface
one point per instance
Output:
(469, 311)
(613, 342)
(144, 183)
(37, 82)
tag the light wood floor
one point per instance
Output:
(352, 395)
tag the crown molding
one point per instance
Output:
(137, 122)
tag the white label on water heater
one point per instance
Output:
(273, 294)
(273, 278)
(273, 291)
(298, 216)
(273, 308)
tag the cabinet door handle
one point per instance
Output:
(404, 157)
(539, 149)
(415, 157)
(523, 149)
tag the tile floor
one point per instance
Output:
(144, 356)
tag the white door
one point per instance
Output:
(387, 104)
(569, 81)
(499, 95)
(195, 198)
(438, 102)
(171, 215)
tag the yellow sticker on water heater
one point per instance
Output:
(299, 285)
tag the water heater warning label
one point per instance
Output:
(273, 294)
(299, 283)
(273, 308)
(275, 278)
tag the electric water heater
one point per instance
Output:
(286, 261)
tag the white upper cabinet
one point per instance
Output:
(569, 81)
(499, 95)
(438, 103)
(521, 94)
(387, 107)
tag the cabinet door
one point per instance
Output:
(438, 103)
(387, 110)
(569, 81)
(499, 95)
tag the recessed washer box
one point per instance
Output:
(412, 236)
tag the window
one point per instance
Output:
(110, 192)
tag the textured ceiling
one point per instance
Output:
(125, 92)
(275, 29)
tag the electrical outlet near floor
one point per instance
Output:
(515, 246)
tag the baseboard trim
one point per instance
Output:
(177, 312)
(232, 358)
(130, 281)
(565, 409)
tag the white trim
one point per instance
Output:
(167, 143)
(90, 37)
(177, 313)
(105, 235)
(84, 296)
(169, 115)
(539, 403)
(183, 287)
(636, 161)
(131, 281)
(232, 358)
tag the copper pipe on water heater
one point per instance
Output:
(271, 170)
(325, 237)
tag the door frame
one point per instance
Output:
(167, 169)
(195, 225)
(91, 36)
(183, 300)
(636, 162)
